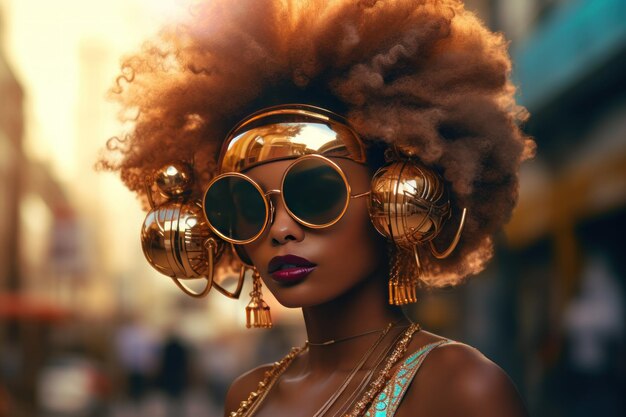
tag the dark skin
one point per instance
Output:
(347, 295)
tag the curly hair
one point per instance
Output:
(425, 75)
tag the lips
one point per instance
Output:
(290, 268)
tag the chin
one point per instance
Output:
(296, 299)
(302, 295)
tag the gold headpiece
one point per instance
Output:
(286, 132)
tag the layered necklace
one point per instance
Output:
(249, 406)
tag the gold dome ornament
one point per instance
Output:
(175, 237)
(174, 180)
(409, 205)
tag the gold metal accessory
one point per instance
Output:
(175, 237)
(314, 190)
(409, 205)
(257, 311)
(249, 406)
(384, 375)
(354, 336)
(287, 132)
(333, 398)
(403, 276)
(367, 377)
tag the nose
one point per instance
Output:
(283, 228)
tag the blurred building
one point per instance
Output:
(37, 240)
(11, 131)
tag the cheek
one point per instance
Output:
(359, 251)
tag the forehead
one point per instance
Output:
(270, 174)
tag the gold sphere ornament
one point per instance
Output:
(177, 242)
(409, 203)
(174, 180)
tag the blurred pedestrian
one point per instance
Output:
(173, 373)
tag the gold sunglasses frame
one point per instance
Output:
(270, 207)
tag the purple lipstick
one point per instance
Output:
(290, 268)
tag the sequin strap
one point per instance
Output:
(390, 398)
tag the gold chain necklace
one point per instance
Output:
(385, 374)
(269, 379)
(354, 336)
(333, 398)
(255, 398)
(366, 378)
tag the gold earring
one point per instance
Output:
(409, 205)
(403, 278)
(257, 311)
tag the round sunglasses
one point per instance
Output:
(314, 191)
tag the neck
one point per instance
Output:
(361, 310)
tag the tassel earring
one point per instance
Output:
(402, 277)
(257, 311)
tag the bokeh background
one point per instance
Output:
(87, 328)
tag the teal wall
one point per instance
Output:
(567, 46)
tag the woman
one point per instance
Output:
(375, 148)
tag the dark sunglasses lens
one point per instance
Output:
(315, 192)
(235, 208)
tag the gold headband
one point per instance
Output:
(286, 132)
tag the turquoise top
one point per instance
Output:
(388, 401)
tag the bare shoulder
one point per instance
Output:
(456, 379)
(241, 388)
